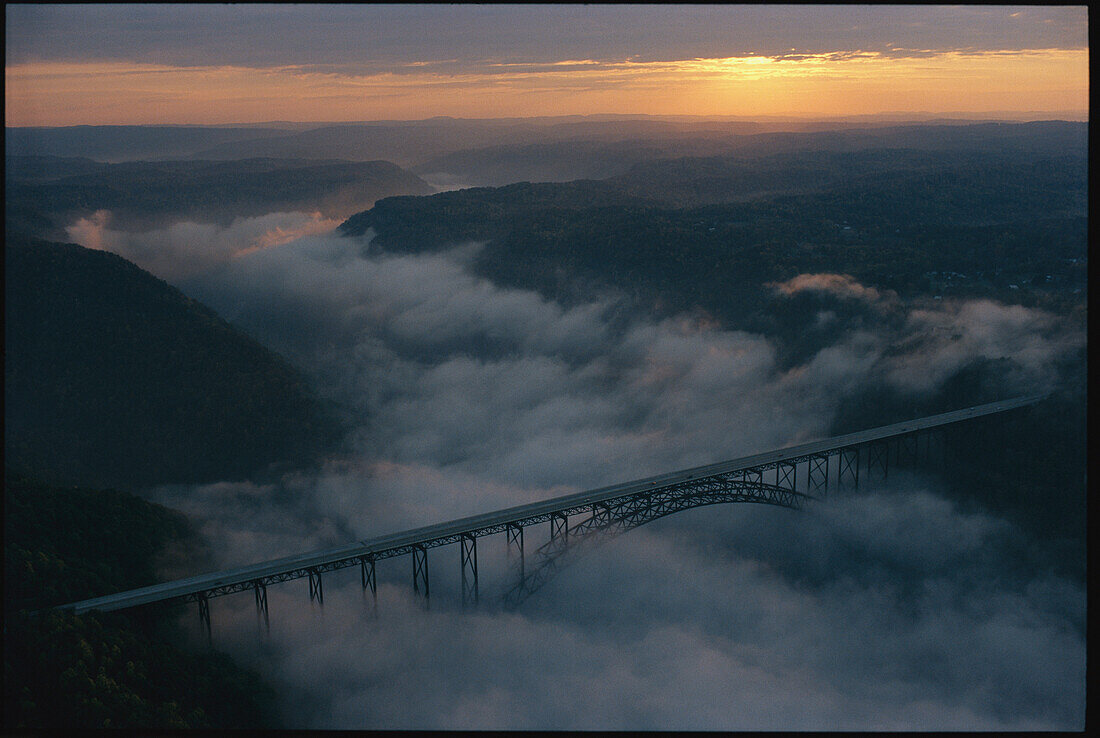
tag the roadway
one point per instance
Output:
(493, 522)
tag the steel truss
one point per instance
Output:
(260, 590)
(559, 525)
(848, 463)
(817, 473)
(623, 514)
(878, 454)
(204, 617)
(611, 517)
(369, 579)
(468, 558)
(786, 474)
(316, 591)
(514, 537)
(420, 571)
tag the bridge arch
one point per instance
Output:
(610, 520)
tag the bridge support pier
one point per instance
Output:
(420, 572)
(204, 618)
(879, 455)
(817, 474)
(601, 514)
(848, 463)
(907, 449)
(514, 536)
(260, 590)
(316, 591)
(786, 475)
(469, 560)
(559, 526)
(366, 566)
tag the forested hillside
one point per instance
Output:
(917, 222)
(114, 378)
(105, 670)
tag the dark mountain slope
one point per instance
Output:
(114, 378)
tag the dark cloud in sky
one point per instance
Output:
(887, 608)
(459, 38)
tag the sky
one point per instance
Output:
(216, 64)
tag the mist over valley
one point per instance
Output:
(458, 285)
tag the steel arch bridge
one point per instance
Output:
(611, 519)
(770, 478)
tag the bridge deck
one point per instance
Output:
(394, 544)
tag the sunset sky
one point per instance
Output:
(115, 64)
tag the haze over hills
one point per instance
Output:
(407, 143)
(143, 195)
(560, 161)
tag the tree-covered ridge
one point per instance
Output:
(114, 378)
(63, 671)
(920, 223)
(424, 223)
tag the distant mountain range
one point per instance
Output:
(599, 158)
(45, 193)
(412, 143)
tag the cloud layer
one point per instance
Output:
(887, 608)
(459, 39)
(202, 64)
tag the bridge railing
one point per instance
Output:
(623, 505)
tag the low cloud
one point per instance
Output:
(840, 285)
(187, 248)
(949, 337)
(887, 608)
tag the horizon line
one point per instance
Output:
(1077, 116)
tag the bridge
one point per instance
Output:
(768, 478)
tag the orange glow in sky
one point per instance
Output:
(65, 93)
(203, 64)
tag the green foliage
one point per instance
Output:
(114, 378)
(67, 544)
(93, 671)
(104, 670)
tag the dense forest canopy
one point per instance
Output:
(62, 544)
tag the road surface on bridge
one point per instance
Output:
(494, 522)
